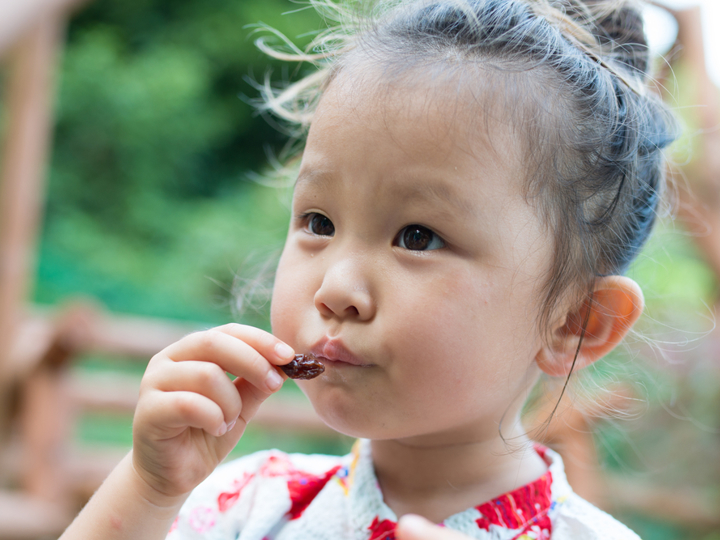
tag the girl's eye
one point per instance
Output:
(321, 225)
(419, 238)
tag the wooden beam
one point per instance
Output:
(24, 158)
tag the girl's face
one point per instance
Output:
(412, 264)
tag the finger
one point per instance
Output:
(230, 353)
(276, 351)
(173, 412)
(251, 398)
(204, 378)
(412, 527)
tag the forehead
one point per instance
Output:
(432, 117)
(421, 149)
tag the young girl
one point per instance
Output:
(477, 176)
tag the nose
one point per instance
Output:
(345, 292)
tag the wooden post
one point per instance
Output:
(28, 103)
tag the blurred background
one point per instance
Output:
(131, 213)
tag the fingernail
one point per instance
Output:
(273, 380)
(284, 351)
(223, 430)
(232, 425)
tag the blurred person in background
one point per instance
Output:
(690, 80)
(17, 15)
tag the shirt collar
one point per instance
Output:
(510, 512)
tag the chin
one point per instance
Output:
(345, 422)
(360, 423)
(345, 418)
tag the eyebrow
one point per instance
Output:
(419, 190)
(316, 177)
(424, 189)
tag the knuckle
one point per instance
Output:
(183, 403)
(209, 374)
(152, 378)
(208, 340)
(231, 327)
(156, 362)
(268, 341)
(258, 364)
(265, 340)
(193, 337)
(148, 382)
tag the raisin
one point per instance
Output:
(304, 366)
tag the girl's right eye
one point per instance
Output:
(320, 225)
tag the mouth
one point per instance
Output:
(334, 353)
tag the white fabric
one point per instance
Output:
(250, 499)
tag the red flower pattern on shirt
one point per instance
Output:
(304, 487)
(525, 508)
(228, 498)
(382, 530)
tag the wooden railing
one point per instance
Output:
(53, 476)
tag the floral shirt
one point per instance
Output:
(276, 496)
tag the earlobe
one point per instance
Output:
(615, 305)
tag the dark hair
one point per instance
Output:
(595, 154)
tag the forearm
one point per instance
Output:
(125, 507)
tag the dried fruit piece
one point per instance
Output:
(304, 366)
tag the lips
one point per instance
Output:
(333, 351)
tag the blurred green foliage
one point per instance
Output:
(149, 208)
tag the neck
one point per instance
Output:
(441, 476)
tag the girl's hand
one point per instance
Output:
(190, 414)
(412, 527)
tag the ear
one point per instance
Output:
(616, 304)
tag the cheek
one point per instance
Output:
(466, 331)
(441, 328)
(284, 307)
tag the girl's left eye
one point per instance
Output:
(320, 225)
(418, 238)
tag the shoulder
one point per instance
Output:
(577, 518)
(572, 516)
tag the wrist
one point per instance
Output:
(162, 503)
(125, 507)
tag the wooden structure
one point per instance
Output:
(28, 102)
(39, 399)
(38, 396)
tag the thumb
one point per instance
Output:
(412, 527)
